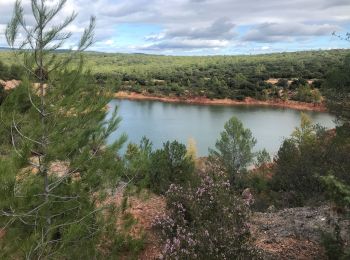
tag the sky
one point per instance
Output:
(202, 27)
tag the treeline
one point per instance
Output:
(233, 77)
(300, 74)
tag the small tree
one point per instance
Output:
(336, 190)
(337, 89)
(138, 162)
(60, 161)
(234, 148)
(170, 165)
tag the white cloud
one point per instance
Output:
(109, 42)
(203, 24)
(280, 32)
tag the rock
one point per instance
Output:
(247, 197)
(296, 233)
(11, 84)
(271, 209)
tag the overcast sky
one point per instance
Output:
(204, 27)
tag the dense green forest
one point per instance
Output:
(233, 77)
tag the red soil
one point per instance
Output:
(228, 102)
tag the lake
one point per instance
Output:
(161, 122)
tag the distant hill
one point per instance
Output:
(4, 49)
(9, 49)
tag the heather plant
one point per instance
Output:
(205, 221)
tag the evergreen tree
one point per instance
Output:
(234, 148)
(337, 88)
(52, 181)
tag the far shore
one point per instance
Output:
(227, 102)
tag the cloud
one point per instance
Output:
(216, 35)
(219, 29)
(187, 44)
(280, 32)
(202, 24)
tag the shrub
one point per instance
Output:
(138, 162)
(282, 83)
(297, 165)
(304, 94)
(3, 94)
(336, 190)
(334, 245)
(170, 165)
(310, 153)
(205, 221)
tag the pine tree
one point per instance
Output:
(53, 179)
(234, 148)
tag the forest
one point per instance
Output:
(67, 193)
(299, 76)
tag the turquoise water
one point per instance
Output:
(161, 122)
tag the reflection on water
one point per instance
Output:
(161, 122)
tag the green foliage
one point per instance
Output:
(337, 88)
(234, 148)
(297, 164)
(138, 163)
(59, 162)
(214, 77)
(304, 94)
(310, 153)
(337, 191)
(3, 94)
(158, 169)
(282, 83)
(262, 158)
(205, 221)
(170, 165)
(334, 245)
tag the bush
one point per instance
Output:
(3, 94)
(309, 154)
(334, 245)
(205, 221)
(4, 71)
(337, 191)
(304, 94)
(282, 83)
(170, 165)
(138, 162)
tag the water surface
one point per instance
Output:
(161, 122)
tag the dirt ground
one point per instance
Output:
(228, 102)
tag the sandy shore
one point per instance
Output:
(228, 102)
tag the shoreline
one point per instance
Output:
(290, 104)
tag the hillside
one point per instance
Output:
(286, 76)
(292, 233)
